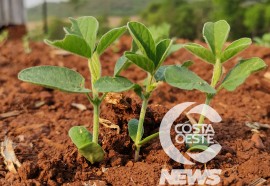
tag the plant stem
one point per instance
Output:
(96, 122)
(140, 127)
(215, 79)
(207, 102)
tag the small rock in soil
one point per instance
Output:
(129, 164)
(258, 141)
(111, 154)
(99, 173)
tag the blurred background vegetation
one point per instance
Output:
(248, 18)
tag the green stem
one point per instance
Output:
(207, 102)
(96, 122)
(215, 79)
(140, 127)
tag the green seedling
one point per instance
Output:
(148, 55)
(3, 37)
(215, 35)
(81, 40)
(26, 45)
(263, 41)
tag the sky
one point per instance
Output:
(32, 3)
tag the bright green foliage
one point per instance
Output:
(60, 78)
(113, 84)
(81, 39)
(153, 55)
(240, 73)
(149, 57)
(161, 31)
(133, 128)
(234, 48)
(3, 36)
(202, 52)
(148, 54)
(264, 41)
(82, 138)
(108, 38)
(80, 135)
(141, 61)
(158, 33)
(143, 39)
(215, 35)
(182, 78)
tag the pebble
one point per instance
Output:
(99, 173)
(129, 164)
(258, 141)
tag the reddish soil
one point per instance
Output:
(48, 156)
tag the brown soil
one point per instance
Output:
(49, 158)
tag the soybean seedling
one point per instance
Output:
(215, 35)
(3, 37)
(81, 39)
(149, 56)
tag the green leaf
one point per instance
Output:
(201, 52)
(143, 39)
(113, 84)
(54, 77)
(241, 71)
(133, 128)
(160, 73)
(80, 136)
(139, 91)
(95, 67)
(141, 61)
(160, 32)
(191, 142)
(93, 152)
(162, 50)
(187, 64)
(215, 35)
(234, 48)
(73, 44)
(198, 147)
(121, 64)
(174, 48)
(182, 78)
(107, 39)
(134, 47)
(149, 138)
(86, 27)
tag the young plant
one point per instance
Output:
(149, 56)
(215, 35)
(263, 41)
(81, 39)
(26, 44)
(3, 37)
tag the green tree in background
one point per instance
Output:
(254, 19)
(248, 17)
(233, 12)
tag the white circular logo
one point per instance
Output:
(188, 133)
